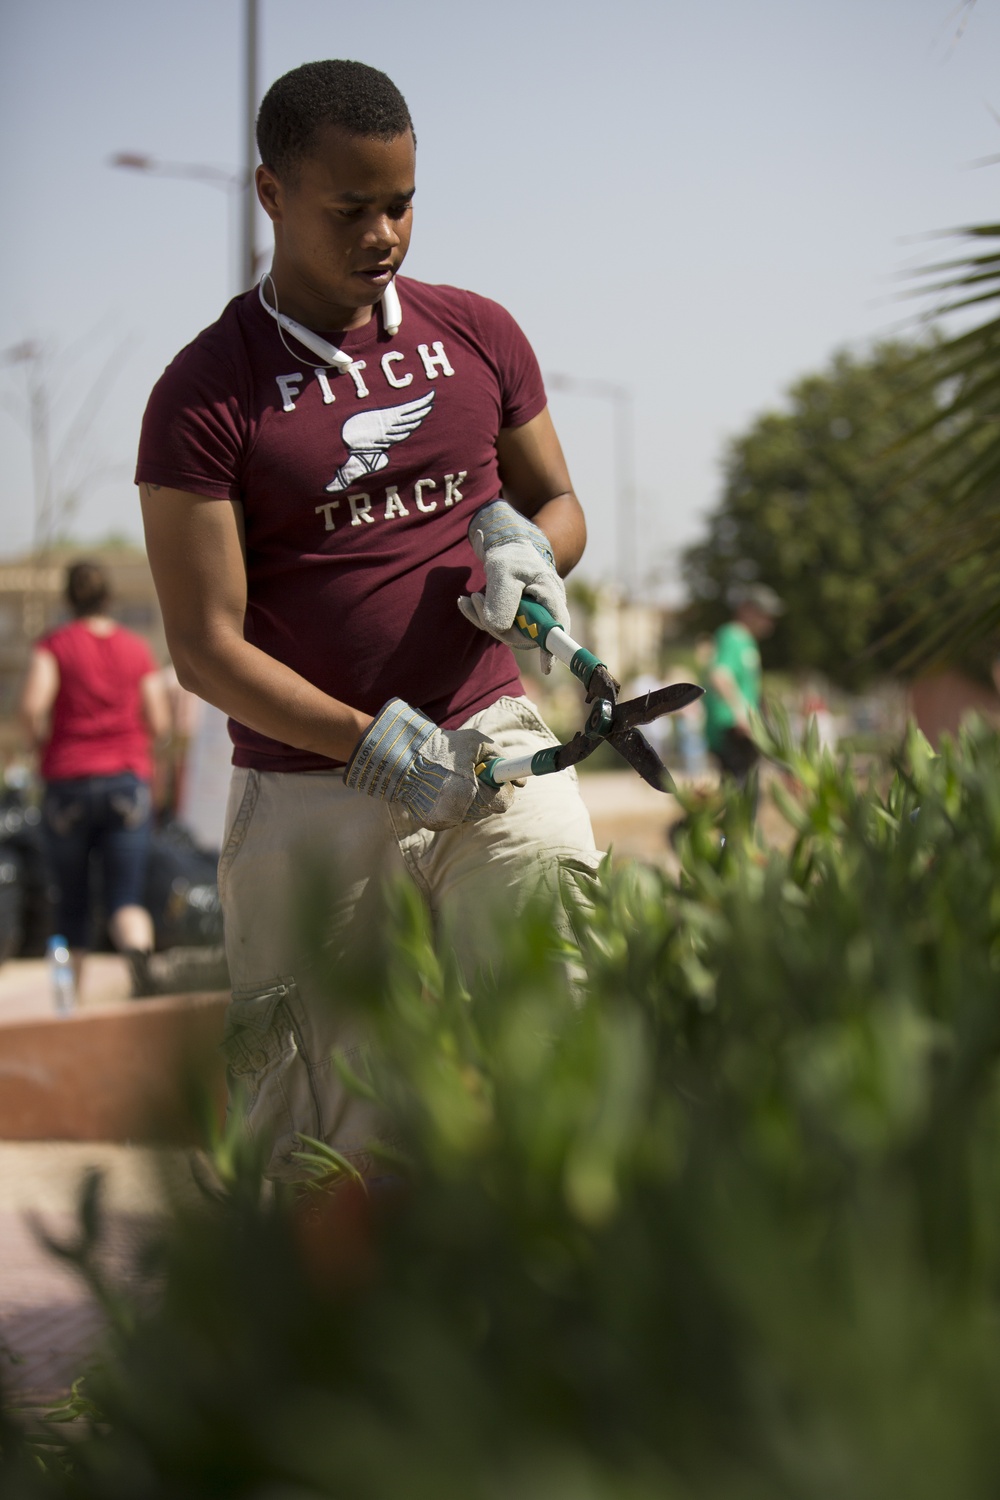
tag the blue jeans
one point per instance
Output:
(106, 816)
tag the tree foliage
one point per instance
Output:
(827, 501)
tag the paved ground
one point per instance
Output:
(48, 1323)
(25, 992)
(630, 818)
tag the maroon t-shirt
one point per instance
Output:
(98, 726)
(357, 491)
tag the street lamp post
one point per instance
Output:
(241, 183)
(623, 444)
(248, 257)
(29, 355)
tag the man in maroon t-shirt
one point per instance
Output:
(320, 473)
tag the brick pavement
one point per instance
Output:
(49, 1323)
(25, 991)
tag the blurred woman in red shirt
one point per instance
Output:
(92, 702)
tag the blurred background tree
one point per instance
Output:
(829, 501)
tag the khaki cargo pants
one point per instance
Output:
(283, 1024)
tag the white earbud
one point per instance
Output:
(392, 314)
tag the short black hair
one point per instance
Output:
(298, 105)
(88, 589)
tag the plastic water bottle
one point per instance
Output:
(61, 975)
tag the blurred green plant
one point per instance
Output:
(711, 1214)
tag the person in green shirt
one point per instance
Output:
(732, 691)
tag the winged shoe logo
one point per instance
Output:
(370, 434)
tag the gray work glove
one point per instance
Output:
(403, 757)
(518, 560)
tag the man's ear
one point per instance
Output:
(269, 193)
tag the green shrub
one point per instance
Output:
(710, 1213)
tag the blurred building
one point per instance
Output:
(941, 701)
(627, 634)
(31, 602)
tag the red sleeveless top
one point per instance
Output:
(98, 727)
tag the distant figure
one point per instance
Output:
(814, 709)
(688, 726)
(199, 768)
(732, 691)
(92, 700)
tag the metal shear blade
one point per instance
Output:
(653, 705)
(616, 723)
(636, 749)
(633, 746)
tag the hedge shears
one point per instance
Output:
(609, 722)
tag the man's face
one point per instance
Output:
(342, 226)
(759, 623)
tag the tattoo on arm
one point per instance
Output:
(150, 488)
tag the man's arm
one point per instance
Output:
(536, 482)
(195, 548)
(724, 683)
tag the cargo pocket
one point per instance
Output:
(579, 880)
(529, 718)
(532, 719)
(269, 1072)
(244, 790)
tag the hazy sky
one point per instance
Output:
(700, 201)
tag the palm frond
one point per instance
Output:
(960, 450)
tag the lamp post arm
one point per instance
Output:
(135, 161)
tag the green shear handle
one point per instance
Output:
(536, 624)
(609, 721)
